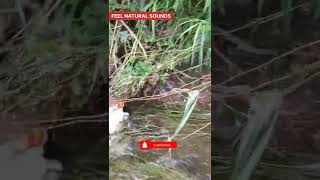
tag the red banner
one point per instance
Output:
(141, 16)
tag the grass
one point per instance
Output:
(158, 46)
(191, 102)
(256, 134)
(65, 52)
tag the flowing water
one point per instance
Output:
(190, 160)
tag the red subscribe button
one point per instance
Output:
(146, 144)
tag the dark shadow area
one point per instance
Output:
(53, 77)
(266, 90)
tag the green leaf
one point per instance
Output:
(124, 36)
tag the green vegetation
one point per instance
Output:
(141, 50)
(62, 53)
(143, 53)
(55, 62)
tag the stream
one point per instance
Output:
(190, 160)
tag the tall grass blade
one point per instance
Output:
(262, 117)
(188, 30)
(200, 60)
(316, 9)
(260, 7)
(153, 23)
(207, 6)
(195, 42)
(20, 11)
(286, 5)
(191, 102)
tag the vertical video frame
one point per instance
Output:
(159, 56)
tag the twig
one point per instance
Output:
(136, 38)
(196, 131)
(295, 86)
(287, 90)
(55, 5)
(271, 61)
(227, 60)
(69, 119)
(184, 74)
(260, 20)
(17, 103)
(243, 45)
(173, 92)
(77, 122)
(32, 20)
(304, 70)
